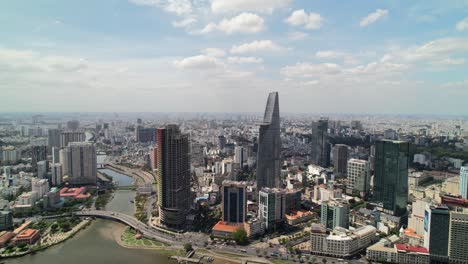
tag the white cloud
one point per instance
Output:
(297, 35)
(257, 46)
(301, 18)
(266, 6)
(449, 61)
(462, 25)
(307, 70)
(145, 2)
(241, 60)
(373, 17)
(184, 23)
(243, 23)
(460, 84)
(179, 7)
(328, 54)
(198, 62)
(214, 52)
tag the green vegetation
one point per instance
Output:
(444, 151)
(140, 201)
(128, 238)
(188, 247)
(240, 236)
(103, 199)
(206, 219)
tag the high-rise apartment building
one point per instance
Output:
(6, 220)
(464, 182)
(53, 138)
(73, 125)
(340, 158)
(55, 154)
(457, 245)
(221, 142)
(173, 176)
(38, 153)
(67, 137)
(358, 172)
(79, 163)
(56, 172)
(42, 169)
(320, 151)
(269, 145)
(335, 213)
(234, 201)
(391, 176)
(240, 155)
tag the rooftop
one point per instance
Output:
(226, 227)
(27, 233)
(409, 248)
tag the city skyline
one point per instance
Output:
(322, 57)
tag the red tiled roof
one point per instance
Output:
(71, 192)
(408, 248)
(225, 227)
(27, 233)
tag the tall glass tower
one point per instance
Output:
(269, 145)
(391, 176)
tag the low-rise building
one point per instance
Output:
(5, 237)
(297, 217)
(28, 236)
(224, 229)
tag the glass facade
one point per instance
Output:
(391, 176)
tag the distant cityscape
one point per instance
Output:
(300, 188)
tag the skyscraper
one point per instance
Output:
(272, 207)
(79, 163)
(269, 145)
(464, 182)
(234, 202)
(391, 176)
(173, 176)
(320, 152)
(340, 158)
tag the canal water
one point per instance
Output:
(118, 178)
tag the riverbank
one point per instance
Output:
(49, 240)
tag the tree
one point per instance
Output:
(188, 247)
(240, 236)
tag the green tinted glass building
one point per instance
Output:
(391, 176)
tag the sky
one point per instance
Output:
(322, 56)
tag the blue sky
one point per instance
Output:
(226, 55)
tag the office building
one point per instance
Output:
(391, 176)
(341, 242)
(145, 135)
(56, 172)
(457, 245)
(320, 151)
(6, 220)
(79, 163)
(464, 182)
(240, 155)
(42, 169)
(358, 173)
(335, 213)
(340, 158)
(174, 197)
(234, 201)
(271, 207)
(436, 232)
(221, 142)
(269, 145)
(38, 153)
(53, 138)
(67, 137)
